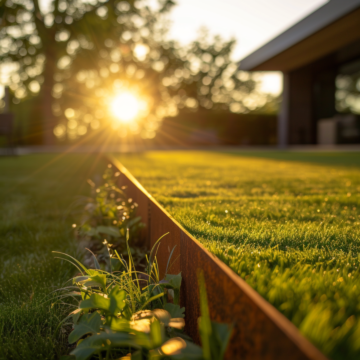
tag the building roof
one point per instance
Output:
(332, 26)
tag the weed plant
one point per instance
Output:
(126, 314)
(107, 214)
(286, 222)
(35, 193)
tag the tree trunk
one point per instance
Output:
(48, 119)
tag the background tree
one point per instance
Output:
(78, 55)
(348, 93)
(210, 79)
(39, 47)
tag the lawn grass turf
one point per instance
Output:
(36, 192)
(288, 223)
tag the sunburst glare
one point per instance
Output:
(126, 107)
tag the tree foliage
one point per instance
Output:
(348, 93)
(78, 54)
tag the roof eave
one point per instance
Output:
(327, 14)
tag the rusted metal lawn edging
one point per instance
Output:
(260, 331)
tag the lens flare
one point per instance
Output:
(125, 107)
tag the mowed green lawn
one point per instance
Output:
(36, 192)
(288, 223)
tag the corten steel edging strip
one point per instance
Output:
(261, 331)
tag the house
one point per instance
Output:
(320, 61)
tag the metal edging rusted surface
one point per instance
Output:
(260, 331)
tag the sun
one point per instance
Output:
(125, 107)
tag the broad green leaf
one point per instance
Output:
(79, 279)
(95, 278)
(90, 283)
(119, 324)
(177, 349)
(117, 299)
(190, 352)
(175, 311)
(99, 279)
(162, 315)
(109, 230)
(177, 323)
(126, 312)
(156, 333)
(173, 281)
(88, 324)
(220, 337)
(103, 341)
(96, 302)
(113, 304)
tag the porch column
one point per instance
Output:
(283, 117)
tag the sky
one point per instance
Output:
(251, 22)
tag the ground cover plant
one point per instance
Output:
(288, 223)
(126, 313)
(35, 193)
(107, 215)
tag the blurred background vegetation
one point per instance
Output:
(65, 65)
